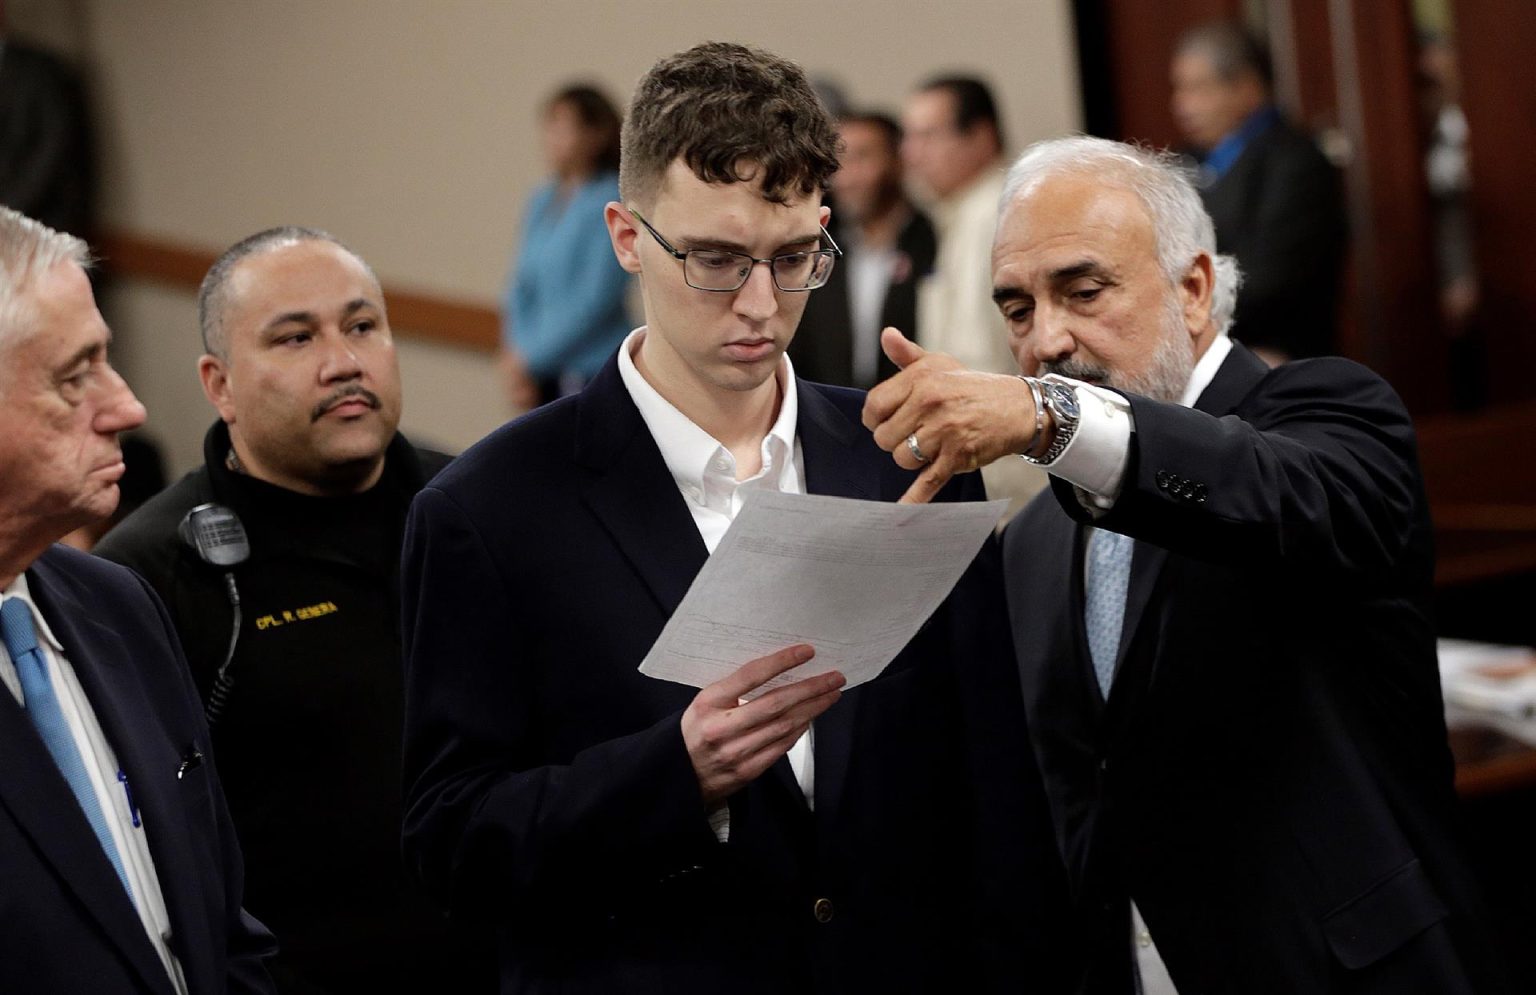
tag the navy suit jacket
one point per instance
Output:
(1269, 777)
(549, 789)
(66, 924)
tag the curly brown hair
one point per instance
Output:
(724, 108)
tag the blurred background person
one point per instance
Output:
(1274, 197)
(1446, 168)
(45, 137)
(565, 305)
(888, 247)
(953, 149)
(952, 145)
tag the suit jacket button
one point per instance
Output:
(822, 910)
(1162, 479)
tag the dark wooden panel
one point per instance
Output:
(1140, 35)
(1375, 57)
(1496, 42)
(1301, 48)
(1482, 493)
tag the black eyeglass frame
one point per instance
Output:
(833, 251)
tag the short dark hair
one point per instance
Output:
(876, 119)
(1231, 48)
(213, 294)
(973, 102)
(719, 106)
(596, 113)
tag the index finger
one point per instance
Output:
(731, 688)
(928, 483)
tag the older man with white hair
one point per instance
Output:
(119, 870)
(1221, 609)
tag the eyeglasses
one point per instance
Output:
(722, 272)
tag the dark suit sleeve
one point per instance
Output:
(492, 826)
(1020, 899)
(1317, 470)
(249, 944)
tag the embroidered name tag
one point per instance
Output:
(303, 614)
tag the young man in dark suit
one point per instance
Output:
(627, 834)
(1221, 609)
(120, 867)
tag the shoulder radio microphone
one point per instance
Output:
(214, 532)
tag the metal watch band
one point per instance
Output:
(1035, 391)
(1066, 427)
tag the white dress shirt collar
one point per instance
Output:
(704, 469)
(1205, 370)
(19, 589)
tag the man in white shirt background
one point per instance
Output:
(952, 145)
(121, 868)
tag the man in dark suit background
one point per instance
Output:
(1275, 199)
(46, 155)
(121, 869)
(888, 247)
(632, 835)
(1220, 610)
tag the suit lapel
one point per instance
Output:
(105, 671)
(632, 492)
(1063, 554)
(1147, 563)
(832, 467)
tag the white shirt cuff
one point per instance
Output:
(1094, 459)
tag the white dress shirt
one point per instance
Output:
(102, 767)
(705, 474)
(1094, 461)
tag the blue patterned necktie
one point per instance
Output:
(42, 706)
(1109, 575)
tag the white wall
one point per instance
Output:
(407, 127)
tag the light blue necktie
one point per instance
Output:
(42, 705)
(1109, 575)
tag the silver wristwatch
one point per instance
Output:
(1062, 402)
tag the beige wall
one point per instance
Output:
(408, 129)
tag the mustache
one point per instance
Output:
(1074, 370)
(341, 394)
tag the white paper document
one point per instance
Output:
(854, 579)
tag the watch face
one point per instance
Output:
(1063, 400)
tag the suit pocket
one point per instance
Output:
(1382, 919)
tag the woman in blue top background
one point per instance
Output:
(565, 304)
